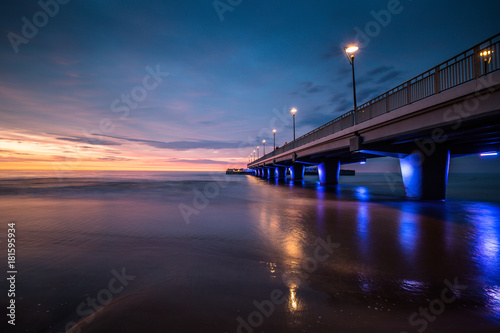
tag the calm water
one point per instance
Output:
(193, 252)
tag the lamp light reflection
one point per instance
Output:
(293, 300)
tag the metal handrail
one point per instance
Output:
(462, 68)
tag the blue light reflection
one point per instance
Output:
(409, 233)
(362, 193)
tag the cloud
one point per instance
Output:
(309, 87)
(316, 89)
(90, 141)
(380, 70)
(13, 152)
(343, 105)
(187, 145)
(201, 161)
(333, 51)
(392, 75)
(366, 94)
(321, 115)
(112, 158)
(382, 74)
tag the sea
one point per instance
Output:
(103, 251)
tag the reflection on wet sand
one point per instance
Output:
(395, 254)
(341, 258)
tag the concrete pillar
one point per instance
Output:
(281, 172)
(329, 170)
(272, 173)
(264, 172)
(297, 171)
(425, 177)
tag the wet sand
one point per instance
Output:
(259, 257)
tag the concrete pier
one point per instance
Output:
(265, 173)
(271, 172)
(328, 171)
(297, 171)
(425, 177)
(281, 172)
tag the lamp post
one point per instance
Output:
(486, 54)
(274, 139)
(264, 147)
(257, 152)
(293, 111)
(349, 51)
(254, 155)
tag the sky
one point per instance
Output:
(197, 85)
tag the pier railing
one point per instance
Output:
(480, 60)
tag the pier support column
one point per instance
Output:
(264, 172)
(328, 171)
(281, 172)
(425, 177)
(272, 173)
(297, 171)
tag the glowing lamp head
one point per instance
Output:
(293, 111)
(351, 49)
(485, 53)
(274, 131)
(263, 141)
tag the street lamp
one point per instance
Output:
(274, 139)
(254, 155)
(257, 151)
(293, 111)
(264, 146)
(486, 60)
(349, 52)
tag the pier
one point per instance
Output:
(451, 110)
